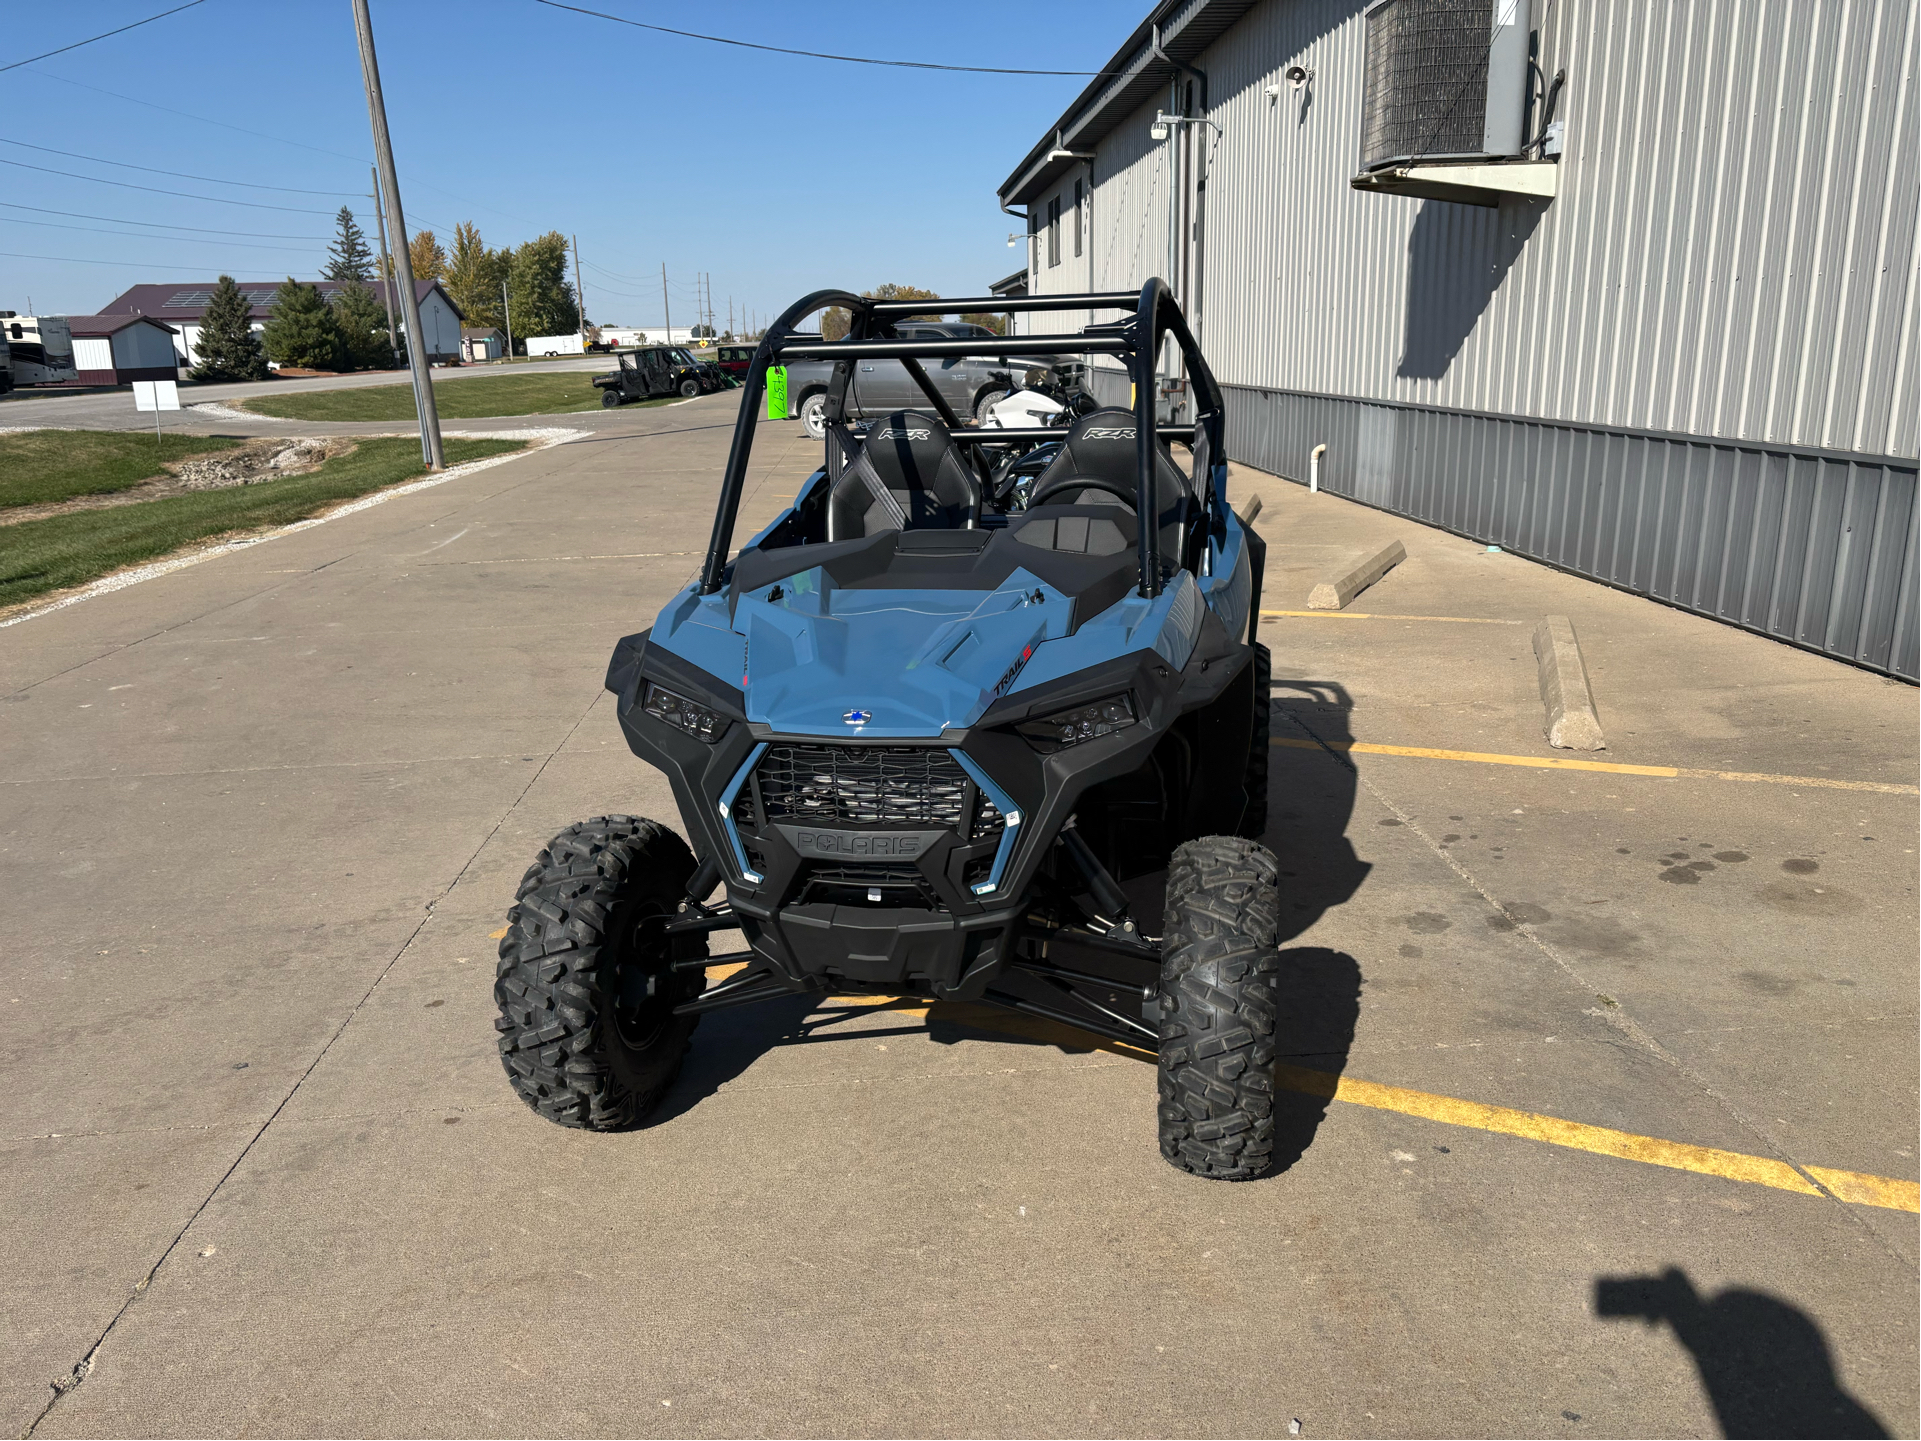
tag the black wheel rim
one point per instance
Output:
(642, 1012)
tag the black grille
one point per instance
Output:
(1426, 89)
(863, 785)
(895, 887)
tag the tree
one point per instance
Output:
(543, 300)
(429, 260)
(349, 257)
(227, 346)
(834, 322)
(362, 322)
(473, 278)
(302, 331)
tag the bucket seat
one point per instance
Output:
(1102, 447)
(907, 474)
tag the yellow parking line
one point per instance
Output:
(1853, 1186)
(1557, 763)
(1377, 615)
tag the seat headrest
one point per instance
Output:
(906, 448)
(1104, 443)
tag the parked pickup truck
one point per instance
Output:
(968, 383)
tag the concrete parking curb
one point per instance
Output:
(1571, 723)
(1337, 594)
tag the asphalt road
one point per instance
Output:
(263, 1174)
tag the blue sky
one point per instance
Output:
(776, 174)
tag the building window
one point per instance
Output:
(1054, 232)
(1078, 199)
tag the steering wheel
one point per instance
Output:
(1085, 482)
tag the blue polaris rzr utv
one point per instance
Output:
(939, 731)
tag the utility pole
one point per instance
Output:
(730, 315)
(387, 262)
(430, 449)
(667, 309)
(580, 293)
(507, 310)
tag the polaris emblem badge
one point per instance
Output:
(1103, 432)
(858, 717)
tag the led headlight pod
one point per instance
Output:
(682, 713)
(1071, 727)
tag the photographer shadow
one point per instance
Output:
(1764, 1363)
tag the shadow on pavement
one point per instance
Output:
(1763, 1362)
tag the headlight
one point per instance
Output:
(682, 713)
(1070, 727)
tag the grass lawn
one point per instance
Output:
(38, 467)
(64, 550)
(526, 393)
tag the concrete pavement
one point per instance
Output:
(259, 817)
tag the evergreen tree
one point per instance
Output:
(302, 332)
(362, 322)
(473, 278)
(227, 346)
(350, 258)
(429, 260)
(543, 299)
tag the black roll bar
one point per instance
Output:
(1003, 304)
(750, 393)
(1156, 315)
(893, 349)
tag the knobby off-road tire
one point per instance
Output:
(689, 389)
(584, 983)
(1219, 992)
(609, 398)
(1254, 782)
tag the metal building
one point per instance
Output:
(1627, 288)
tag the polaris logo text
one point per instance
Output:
(846, 843)
(908, 435)
(1110, 432)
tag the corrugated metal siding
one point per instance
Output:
(1731, 254)
(1730, 263)
(1818, 550)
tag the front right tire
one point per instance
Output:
(1219, 1003)
(585, 982)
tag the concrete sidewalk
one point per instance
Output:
(259, 817)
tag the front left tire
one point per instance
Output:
(585, 982)
(689, 388)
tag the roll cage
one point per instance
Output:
(1154, 316)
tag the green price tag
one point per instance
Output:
(777, 392)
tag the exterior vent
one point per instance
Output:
(1446, 80)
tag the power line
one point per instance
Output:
(278, 140)
(177, 174)
(175, 239)
(104, 35)
(814, 54)
(76, 260)
(161, 224)
(129, 185)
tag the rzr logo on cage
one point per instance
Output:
(901, 435)
(1109, 432)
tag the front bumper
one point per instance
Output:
(931, 901)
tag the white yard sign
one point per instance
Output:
(156, 395)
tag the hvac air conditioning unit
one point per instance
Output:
(1446, 86)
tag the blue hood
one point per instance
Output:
(807, 653)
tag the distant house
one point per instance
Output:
(116, 349)
(182, 306)
(480, 342)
